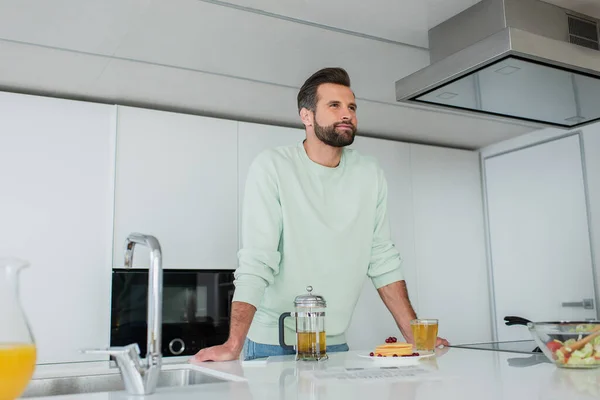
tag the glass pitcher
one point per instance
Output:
(17, 347)
(310, 327)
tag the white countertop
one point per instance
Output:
(454, 373)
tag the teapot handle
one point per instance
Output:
(281, 331)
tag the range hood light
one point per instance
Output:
(509, 69)
(575, 119)
(447, 95)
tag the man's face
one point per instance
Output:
(335, 115)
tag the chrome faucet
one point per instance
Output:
(140, 376)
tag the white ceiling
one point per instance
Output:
(211, 58)
(586, 7)
(405, 21)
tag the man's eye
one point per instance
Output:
(335, 105)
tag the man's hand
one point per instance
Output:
(241, 318)
(224, 352)
(441, 342)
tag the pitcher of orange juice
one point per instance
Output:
(17, 347)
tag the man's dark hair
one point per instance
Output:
(307, 96)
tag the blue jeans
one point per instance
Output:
(253, 350)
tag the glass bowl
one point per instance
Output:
(556, 338)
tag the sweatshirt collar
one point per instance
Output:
(318, 168)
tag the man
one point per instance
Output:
(315, 215)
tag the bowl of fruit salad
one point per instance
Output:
(569, 344)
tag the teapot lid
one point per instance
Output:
(309, 299)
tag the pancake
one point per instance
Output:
(391, 349)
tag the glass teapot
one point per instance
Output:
(17, 347)
(310, 327)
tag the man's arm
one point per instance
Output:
(259, 257)
(241, 318)
(395, 298)
(385, 269)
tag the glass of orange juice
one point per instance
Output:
(17, 347)
(425, 333)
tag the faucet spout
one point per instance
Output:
(141, 376)
(155, 285)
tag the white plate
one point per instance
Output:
(412, 360)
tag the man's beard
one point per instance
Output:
(329, 136)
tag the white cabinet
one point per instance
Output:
(252, 140)
(449, 242)
(56, 158)
(177, 180)
(539, 238)
(372, 322)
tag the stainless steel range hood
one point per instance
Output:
(519, 59)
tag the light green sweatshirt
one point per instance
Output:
(305, 224)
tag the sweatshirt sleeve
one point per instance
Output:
(261, 232)
(385, 266)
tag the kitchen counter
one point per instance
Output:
(455, 373)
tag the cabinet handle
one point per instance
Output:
(587, 304)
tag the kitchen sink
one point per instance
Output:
(111, 382)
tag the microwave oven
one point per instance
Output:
(196, 309)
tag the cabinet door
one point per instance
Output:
(449, 242)
(176, 179)
(57, 159)
(372, 322)
(539, 237)
(591, 141)
(252, 140)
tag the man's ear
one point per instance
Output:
(306, 116)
